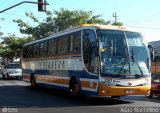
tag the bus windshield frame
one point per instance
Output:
(123, 54)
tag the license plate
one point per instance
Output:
(129, 91)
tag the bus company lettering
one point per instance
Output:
(54, 64)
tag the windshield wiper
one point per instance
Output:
(135, 60)
(123, 64)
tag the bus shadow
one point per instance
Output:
(97, 101)
(81, 100)
(26, 97)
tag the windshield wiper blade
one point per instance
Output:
(135, 60)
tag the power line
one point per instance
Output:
(146, 18)
(72, 2)
(13, 14)
(145, 27)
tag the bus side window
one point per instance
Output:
(43, 48)
(36, 50)
(52, 49)
(75, 40)
(89, 56)
(25, 52)
(30, 51)
(63, 45)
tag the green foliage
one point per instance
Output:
(11, 46)
(58, 21)
(66, 19)
(1, 32)
(118, 24)
(1, 48)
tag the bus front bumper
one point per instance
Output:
(122, 91)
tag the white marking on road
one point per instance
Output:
(22, 84)
(13, 83)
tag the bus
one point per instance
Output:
(95, 60)
(154, 46)
(154, 49)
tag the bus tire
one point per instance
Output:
(75, 88)
(149, 95)
(33, 81)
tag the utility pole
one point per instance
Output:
(115, 17)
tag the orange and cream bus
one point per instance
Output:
(155, 47)
(97, 60)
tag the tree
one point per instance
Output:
(66, 19)
(1, 33)
(11, 46)
(118, 23)
(1, 49)
(57, 21)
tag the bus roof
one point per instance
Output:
(124, 28)
(85, 26)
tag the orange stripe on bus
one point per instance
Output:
(48, 79)
(65, 82)
(85, 84)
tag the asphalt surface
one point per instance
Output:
(16, 96)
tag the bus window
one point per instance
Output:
(36, 50)
(43, 48)
(63, 45)
(25, 52)
(52, 47)
(89, 56)
(75, 42)
(30, 51)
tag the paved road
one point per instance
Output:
(17, 96)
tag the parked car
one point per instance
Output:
(155, 86)
(11, 70)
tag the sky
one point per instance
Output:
(141, 14)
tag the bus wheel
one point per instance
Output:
(75, 88)
(33, 81)
(149, 95)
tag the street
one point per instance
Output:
(18, 96)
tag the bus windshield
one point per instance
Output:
(123, 53)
